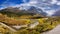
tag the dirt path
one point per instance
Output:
(54, 31)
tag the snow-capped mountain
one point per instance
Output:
(45, 7)
(32, 10)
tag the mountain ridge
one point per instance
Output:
(16, 11)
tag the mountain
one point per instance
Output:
(57, 13)
(15, 11)
(13, 15)
(36, 10)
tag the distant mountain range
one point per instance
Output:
(57, 13)
(16, 11)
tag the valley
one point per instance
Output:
(14, 21)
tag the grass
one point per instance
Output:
(45, 24)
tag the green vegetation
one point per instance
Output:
(11, 18)
(15, 14)
(45, 24)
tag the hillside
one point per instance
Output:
(36, 22)
(15, 16)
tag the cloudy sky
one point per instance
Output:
(48, 6)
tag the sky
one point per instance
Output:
(48, 6)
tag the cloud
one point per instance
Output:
(58, 3)
(46, 6)
(50, 12)
(6, 4)
(57, 13)
(54, 1)
(2, 7)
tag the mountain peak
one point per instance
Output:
(30, 10)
